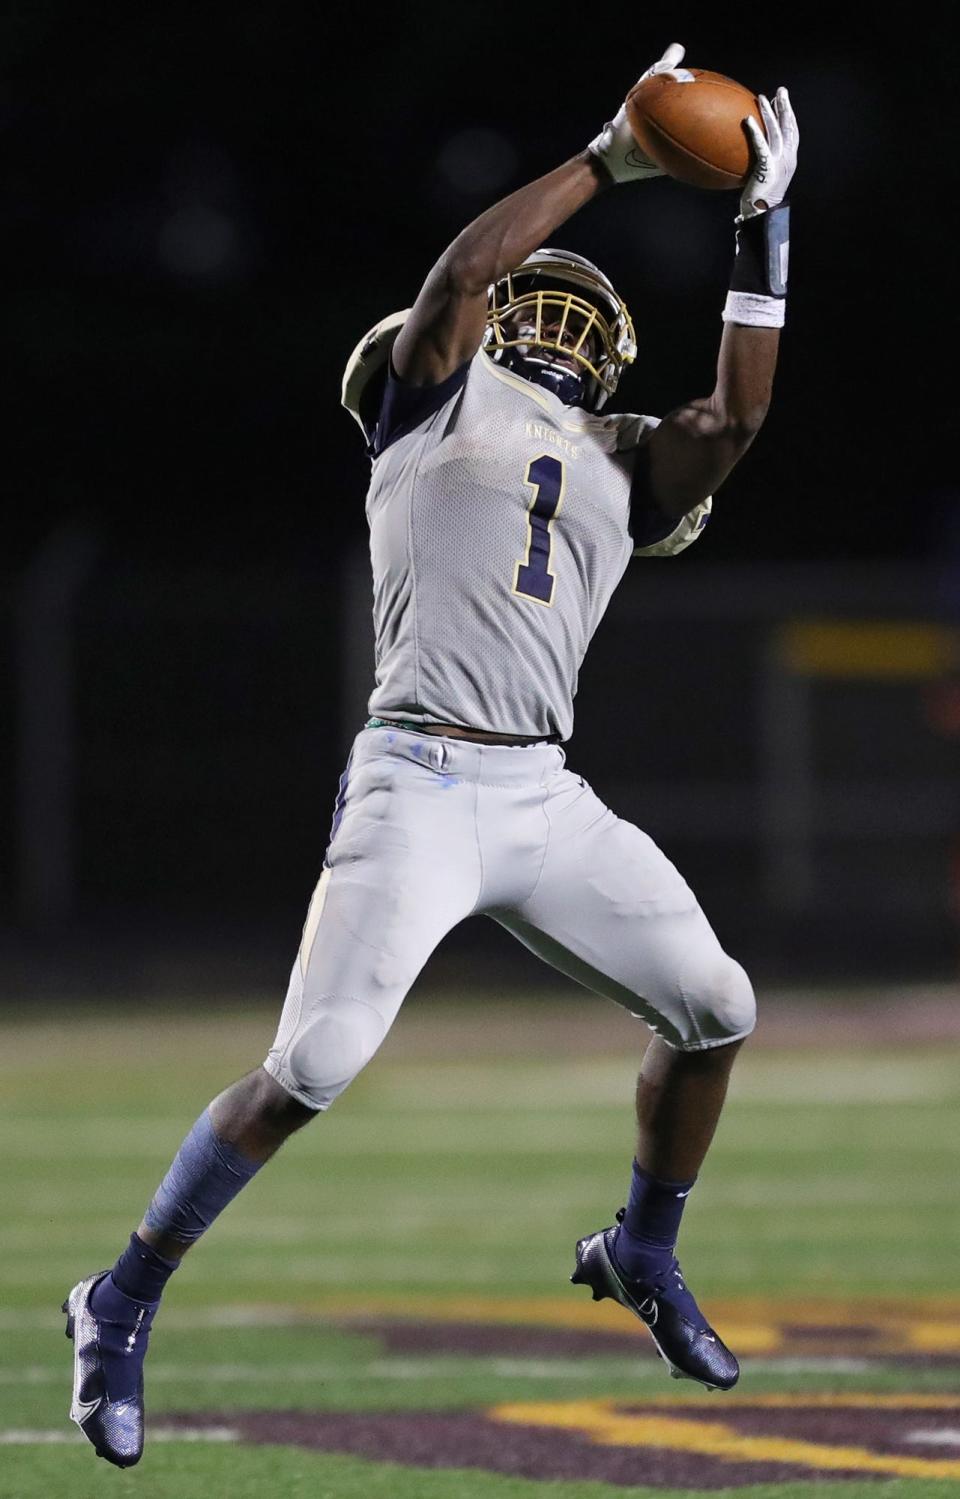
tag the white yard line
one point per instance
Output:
(191, 1374)
(828, 1365)
(436, 1367)
(45, 1438)
(12, 1320)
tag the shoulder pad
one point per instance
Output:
(367, 359)
(683, 534)
(632, 430)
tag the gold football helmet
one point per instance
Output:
(558, 321)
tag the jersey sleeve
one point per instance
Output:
(653, 533)
(404, 407)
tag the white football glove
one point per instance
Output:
(774, 155)
(615, 145)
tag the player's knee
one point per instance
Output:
(721, 999)
(329, 1050)
(735, 1006)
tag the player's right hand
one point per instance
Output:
(615, 145)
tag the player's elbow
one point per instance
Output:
(464, 273)
(740, 424)
(742, 407)
(724, 424)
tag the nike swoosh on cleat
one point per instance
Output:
(86, 1408)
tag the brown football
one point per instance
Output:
(694, 130)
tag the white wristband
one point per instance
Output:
(754, 310)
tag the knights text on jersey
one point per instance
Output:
(499, 528)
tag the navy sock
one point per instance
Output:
(206, 1175)
(140, 1273)
(648, 1232)
(125, 1303)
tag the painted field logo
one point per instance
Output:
(663, 1442)
(768, 1438)
(689, 1441)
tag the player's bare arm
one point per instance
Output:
(696, 446)
(447, 323)
(446, 326)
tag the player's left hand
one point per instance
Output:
(615, 145)
(774, 155)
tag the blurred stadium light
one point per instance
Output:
(803, 653)
(478, 161)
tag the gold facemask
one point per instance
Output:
(582, 319)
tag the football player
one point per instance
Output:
(504, 507)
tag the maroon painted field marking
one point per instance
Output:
(662, 1442)
(866, 1341)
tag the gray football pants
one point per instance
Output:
(429, 830)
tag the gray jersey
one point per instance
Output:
(500, 524)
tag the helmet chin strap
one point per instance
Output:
(564, 383)
(567, 385)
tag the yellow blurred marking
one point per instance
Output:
(828, 1402)
(602, 1423)
(934, 1337)
(754, 1326)
(854, 648)
(573, 1314)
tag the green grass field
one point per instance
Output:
(396, 1281)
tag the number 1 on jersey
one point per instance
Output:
(533, 579)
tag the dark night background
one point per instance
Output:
(204, 209)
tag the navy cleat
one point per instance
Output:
(685, 1341)
(114, 1426)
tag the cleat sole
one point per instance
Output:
(579, 1279)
